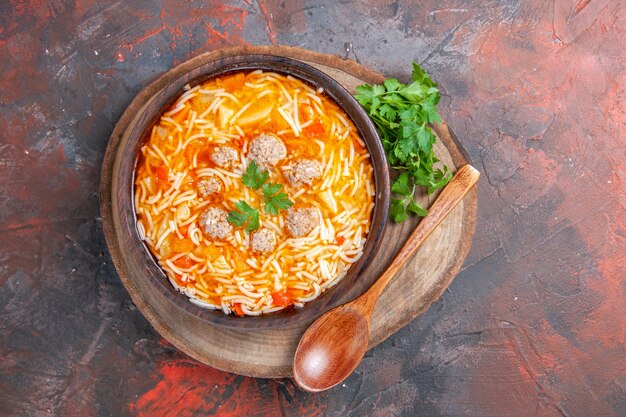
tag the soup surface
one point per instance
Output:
(254, 192)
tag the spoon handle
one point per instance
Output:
(463, 180)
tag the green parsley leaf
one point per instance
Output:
(414, 208)
(397, 211)
(364, 94)
(402, 114)
(414, 92)
(420, 75)
(378, 89)
(429, 109)
(391, 84)
(270, 189)
(425, 138)
(244, 214)
(275, 200)
(387, 112)
(254, 177)
(402, 185)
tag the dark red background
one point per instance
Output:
(534, 325)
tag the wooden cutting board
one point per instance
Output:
(269, 353)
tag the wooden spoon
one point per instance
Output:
(336, 342)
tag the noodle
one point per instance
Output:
(224, 272)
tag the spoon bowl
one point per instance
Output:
(345, 328)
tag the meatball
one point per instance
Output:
(215, 224)
(304, 171)
(209, 185)
(267, 150)
(263, 240)
(300, 221)
(224, 156)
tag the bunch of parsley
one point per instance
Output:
(275, 200)
(402, 114)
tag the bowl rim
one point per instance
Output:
(122, 195)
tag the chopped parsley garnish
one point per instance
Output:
(275, 200)
(402, 114)
(244, 214)
(254, 177)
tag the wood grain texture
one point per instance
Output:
(270, 353)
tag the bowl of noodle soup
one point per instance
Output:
(254, 190)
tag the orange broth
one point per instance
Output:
(232, 111)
